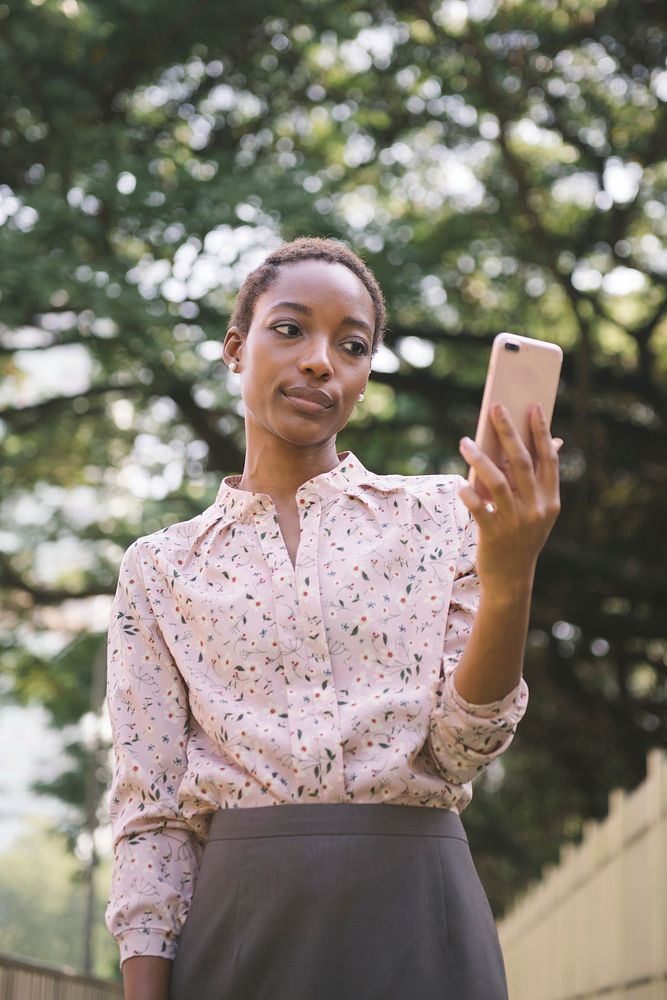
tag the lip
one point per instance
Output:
(310, 400)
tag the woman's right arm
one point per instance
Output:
(156, 849)
(146, 977)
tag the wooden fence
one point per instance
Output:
(596, 925)
(25, 979)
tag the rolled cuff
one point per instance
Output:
(136, 942)
(507, 712)
(464, 738)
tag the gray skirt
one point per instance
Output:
(338, 901)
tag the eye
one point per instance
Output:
(286, 326)
(360, 348)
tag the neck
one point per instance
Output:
(279, 468)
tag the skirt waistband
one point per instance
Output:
(318, 819)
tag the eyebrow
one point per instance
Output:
(307, 311)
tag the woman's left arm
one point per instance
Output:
(511, 533)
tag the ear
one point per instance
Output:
(234, 342)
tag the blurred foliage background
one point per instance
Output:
(499, 165)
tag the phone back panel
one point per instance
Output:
(522, 372)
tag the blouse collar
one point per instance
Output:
(348, 476)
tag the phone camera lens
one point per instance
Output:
(511, 347)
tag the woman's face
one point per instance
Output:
(307, 354)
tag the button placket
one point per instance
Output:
(316, 737)
(312, 707)
(283, 587)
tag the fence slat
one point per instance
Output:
(596, 924)
(25, 979)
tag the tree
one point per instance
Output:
(43, 904)
(499, 166)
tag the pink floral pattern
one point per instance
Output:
(236, 679)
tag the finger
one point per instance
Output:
(546, 452)
(518, 456)
(492, 479)
(541, 433)
(482, 510)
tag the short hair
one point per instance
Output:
(307, 248)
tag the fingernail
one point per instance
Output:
(467, 444)
(499, 411)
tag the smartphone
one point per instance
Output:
(522, 372)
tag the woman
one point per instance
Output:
(343, 645)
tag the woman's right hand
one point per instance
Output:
(146, 977)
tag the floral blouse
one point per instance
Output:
(236, 679)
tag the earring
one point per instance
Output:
(233, 367)
(360, 397)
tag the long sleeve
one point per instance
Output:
(156, 851)
(463, 737)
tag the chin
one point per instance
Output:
(304, 435)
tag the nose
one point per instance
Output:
(316, 359)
